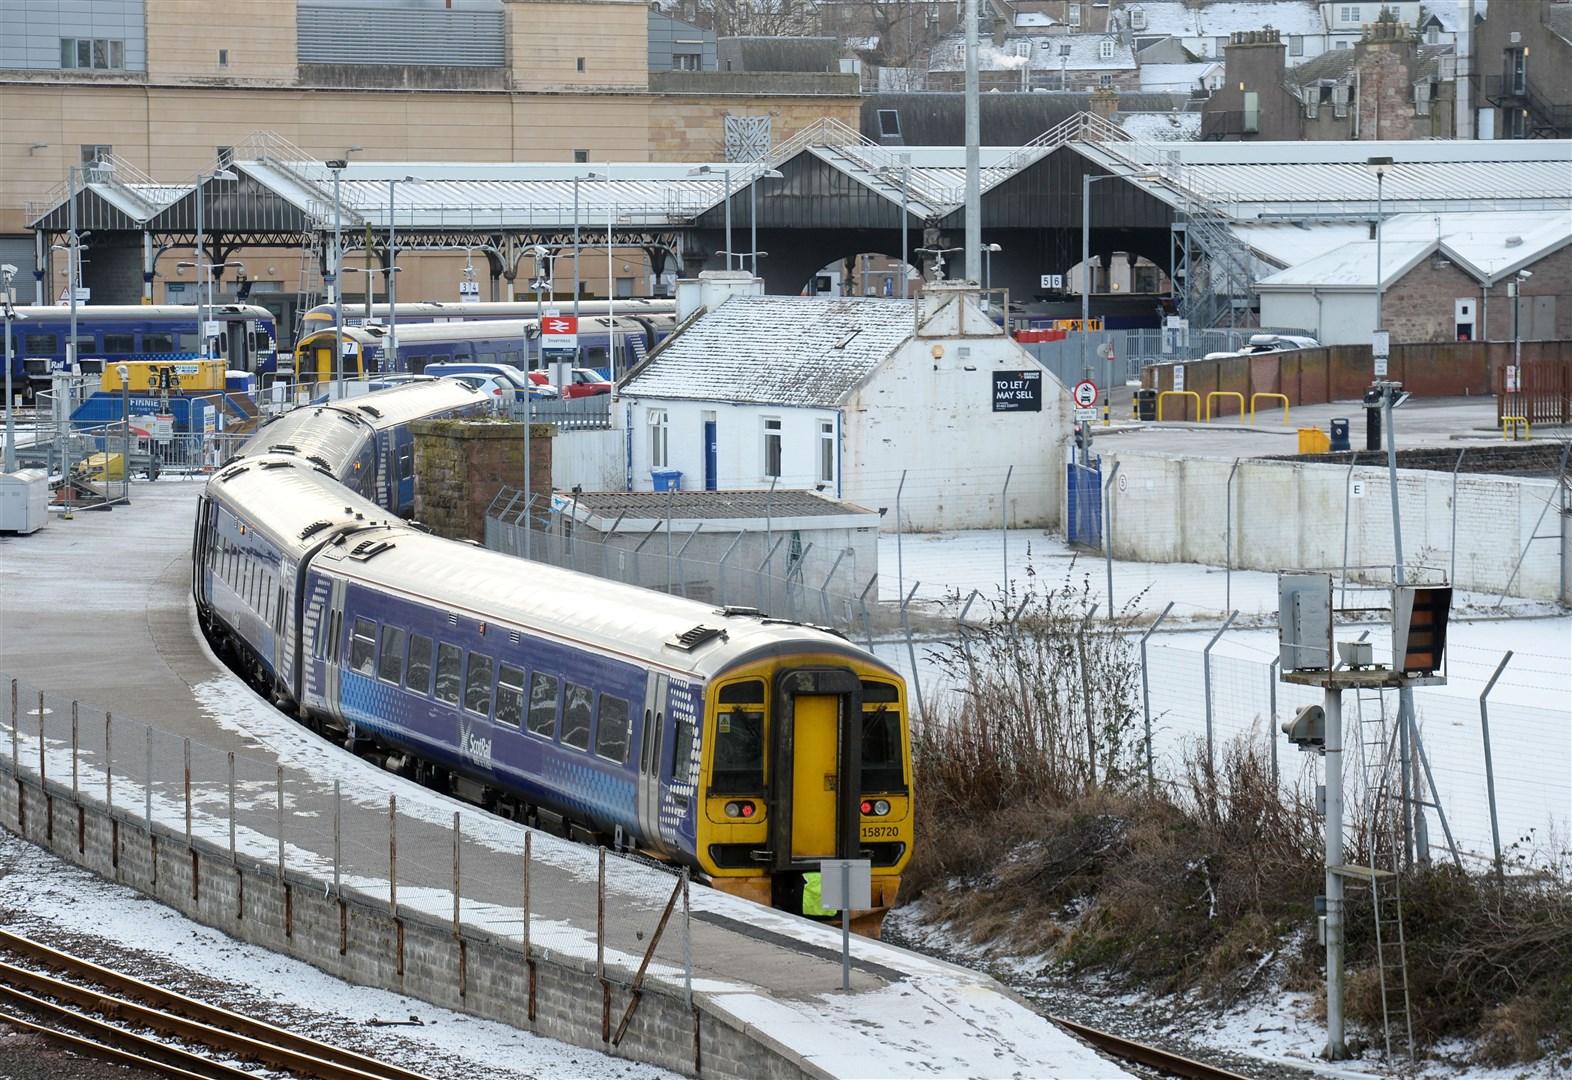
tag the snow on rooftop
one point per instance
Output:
(805, 350)
(1352, 266)
(1161, 127)
(1177, 78)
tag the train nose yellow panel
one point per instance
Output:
(816, 746)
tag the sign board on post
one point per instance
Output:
(1053, 281)
(1380, 349)
(846, 884)
(1017, 391)
(469, 291)
(1085, 393)
(559, 334)
(1178, 376)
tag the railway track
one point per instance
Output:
(102, 1012)
(1163, 1062)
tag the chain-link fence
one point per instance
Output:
(549, 895)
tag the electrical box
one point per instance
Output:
(1356, 654)
(24, 501)
(1304, 621)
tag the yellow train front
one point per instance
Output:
(806, 757)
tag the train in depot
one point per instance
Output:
(246, 339)
(611, 344)
(365, 442)
(324, 316)
(746, 748)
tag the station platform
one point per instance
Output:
(98, 609)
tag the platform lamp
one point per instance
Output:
(392, 350)
(906, 175)
(576, 285)
(988, 251)
(706, 170)
(201, 198)
(7, 275)
(335, 280)
(1378, 167)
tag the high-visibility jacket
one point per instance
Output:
(811, 891)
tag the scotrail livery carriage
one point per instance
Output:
(749, 749)
(106, 334)
(365, 442)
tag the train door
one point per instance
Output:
(330, 647)
(816, 742)
(651, 752)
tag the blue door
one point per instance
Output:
(711, 456)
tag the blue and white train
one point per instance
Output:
(748, 749)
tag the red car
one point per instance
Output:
(587, 382)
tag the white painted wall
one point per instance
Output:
(1337, 318)
(740, 437)
(1290, 515)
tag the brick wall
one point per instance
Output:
(1421, 305)
(460, 465)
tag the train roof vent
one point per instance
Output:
(729, 611)
(320, 462)
(452, 618)
(314, 528)
(275, 464)
(285, 448)
(514, 637)
(370, 410)
(368, 549)
(689, 640)
(236, 471)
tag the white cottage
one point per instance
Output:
(927, 406)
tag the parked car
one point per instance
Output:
(503, 373)
(1269, 343)
(587, 382)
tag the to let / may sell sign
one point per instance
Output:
(559, 333)
(1017, 391)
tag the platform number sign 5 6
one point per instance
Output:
(1085, 393)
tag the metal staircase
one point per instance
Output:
(1217, 267)
(310, 278)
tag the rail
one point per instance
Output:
(1178, 393)
(1224, 394)
(1276, 397)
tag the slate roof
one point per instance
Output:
(787, 350)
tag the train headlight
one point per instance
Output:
(741, 809)
(875, 807)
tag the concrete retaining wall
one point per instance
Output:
(1276, 515)
(359, 938)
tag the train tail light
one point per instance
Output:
(741, 808)
(875, 807)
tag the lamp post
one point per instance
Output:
(988, 250)
(1087, 180)
(705, 170)
(335, 275)
(906, 169)
(7, 274)
(576, 286)
(392, 350)
(753, 221)
(201, 198)
(1379, 166)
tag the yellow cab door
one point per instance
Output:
(815, 745)
(815, 775)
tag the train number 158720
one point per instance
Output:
(873, 832)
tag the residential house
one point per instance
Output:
(1523, 55)
(927, 406)
(1203, 30)
(1024, 61)
(1388, 86)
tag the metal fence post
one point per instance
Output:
(75, 746)
(1004, 526)
(528, 838)
(1452, 574)
(1108, 484)
(16, 719)
(1228, 538)
(187, 748)
(232, 808)
(42, 748)
(687, 944)
(338, 840)
(1206, 679)
(862, 602)
(147, 793)
(393, 856)
(824, 590)
(911, 649)
(109, 765)
(280, 779)
(722, 566)
(1146, 694)
(1271, 723)
(1490, 775)
(457, 895)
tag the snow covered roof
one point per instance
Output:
(1178, 19)
(1177, 78)
(1487, 246)
(1160, 127)
(1448, 14)
(1044, 52)
(784, 350)
(1035, 18)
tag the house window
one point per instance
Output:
(1064, 49)
(1517, 70)
(102, 54)
(772, 447)
(1432, 35)
(223, 58)
(660, 439)
(1023, 48)
(93, 153)
(826, 451)
(581, 63)
(1105, 50)
(685, 62)
(1296, 45)
(1137, 18)
(1252, 112)
(889, 124)
(1348, 15)
(1105, 80)
(224, 155)
(1075, 14)
(580, 157)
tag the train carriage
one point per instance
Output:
(746, 748)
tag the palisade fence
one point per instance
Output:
(626, 916)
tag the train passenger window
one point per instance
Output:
(441, 358)
(543, 705)
(158, 343)
(611, 729)
(881, 739)
(595, 356)
(509, 357)
(40, 344)
(450, 668)
(477, 684)
(682, 754)
(417, 675)
(578, 706)
(406, 462)
(362, 646)
(739, 738)
(390, 661)
(510, 696)
(119, 343)
(487, 356)
(319, 646)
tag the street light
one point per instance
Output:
(705, 170)
(906, 169)
(988, 250)
(1379, 166)
(576, 286)
(201, 198)
(7, 274)
(1515, 289)
(753, 223)
(337, 167)
(392, 349)
(938, 258)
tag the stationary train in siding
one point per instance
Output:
(748, 749)
(365, 441)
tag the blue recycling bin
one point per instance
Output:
(667, 479)
(1339, 434)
